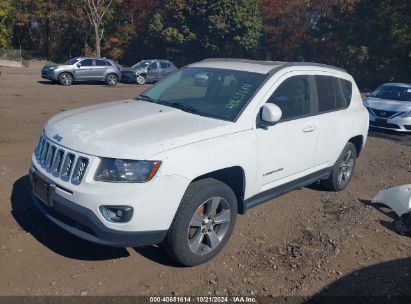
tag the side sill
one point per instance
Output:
(283, 189)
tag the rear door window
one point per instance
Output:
(164, 65)
(101, 63)
(325, 93)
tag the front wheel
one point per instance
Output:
(203, 223)
(111, 79)
(65, 79)
(342, 170)
(141, 79)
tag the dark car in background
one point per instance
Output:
(82, 69)
(147, 71)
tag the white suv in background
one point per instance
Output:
(175, 165)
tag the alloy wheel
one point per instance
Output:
(346, 167)
(111, 79)
(209, 225)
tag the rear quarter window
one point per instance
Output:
(333, 93)
(346, 87)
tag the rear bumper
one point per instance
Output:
(83, 223)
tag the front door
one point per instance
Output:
(85, 70)
(152, 72)
(286, 150)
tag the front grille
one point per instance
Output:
(59, 162)
(384, 113)
(384, 125)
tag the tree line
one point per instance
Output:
(369, 38)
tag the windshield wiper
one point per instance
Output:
(184, 108)
(146, 98)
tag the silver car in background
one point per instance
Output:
(147, 71)
(390, 107)
(83, 69)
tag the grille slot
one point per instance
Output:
(50, 158)
(67, 167)
(44, 154)
(59, 162)
(79, 170)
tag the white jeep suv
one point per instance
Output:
(175, 165)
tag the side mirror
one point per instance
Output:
(78, 65)
(367, 94)
(270, 115)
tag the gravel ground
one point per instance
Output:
(305, 243)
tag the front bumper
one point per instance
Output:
(396, 124)
(47, 74)
(128, 78)
(83, 223)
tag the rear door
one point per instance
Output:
(99, 70)
(333, 98)
(286, 150)
(165, 69)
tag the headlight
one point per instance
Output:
(52, 68)
(406, 114)
(126, 171)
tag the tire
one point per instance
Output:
(203, 222)
(141, 79)
(111, 79)
(65, 79)
(342, 170)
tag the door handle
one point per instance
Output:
(309, 129)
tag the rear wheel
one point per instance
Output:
(111, 79)
(65, 79)
(343, 169)
(203, 223)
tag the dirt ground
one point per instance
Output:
(305, 243)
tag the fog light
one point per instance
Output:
(117, 214)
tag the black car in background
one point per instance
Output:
(147, 71)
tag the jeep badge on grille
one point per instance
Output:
(57, 137)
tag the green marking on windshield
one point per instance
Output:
(239, 96)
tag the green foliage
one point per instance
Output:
(371, 39)
(6, 23)
(206, 28)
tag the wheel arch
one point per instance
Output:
(357, 141)
(234, 177)
(68, 72)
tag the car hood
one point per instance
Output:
(131, 129)
(387, 105)
(47, 66)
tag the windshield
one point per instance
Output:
(392, 92)
(211, 92)
(71, 61)
(141, 64)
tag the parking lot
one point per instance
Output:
(297, 244)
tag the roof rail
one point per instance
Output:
(281, 64)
